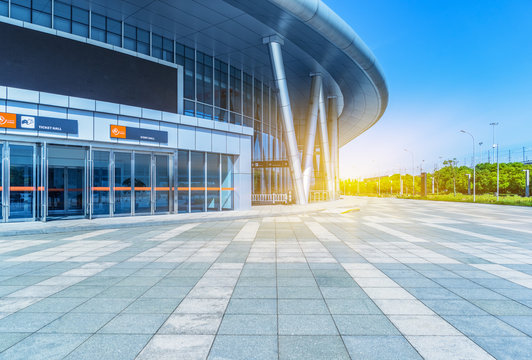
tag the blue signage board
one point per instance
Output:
(132, 133)
(41, 123)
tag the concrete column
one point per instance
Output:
(333, 141)
(279, 76)
(324, 145)
(310, 139)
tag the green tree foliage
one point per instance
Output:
(511, 181)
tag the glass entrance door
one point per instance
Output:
(142, 183)
(2, 204)
(21, 181)
(66, 181)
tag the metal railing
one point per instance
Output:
(269, 198)
(319, 195)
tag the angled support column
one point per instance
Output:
(276, 56)
(333, 141)
(324, 145)
(310, 139)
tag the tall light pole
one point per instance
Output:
(480, 150)
(497, 146)
(474, 167)
(413, 171)
(493, 124)
(527, 182)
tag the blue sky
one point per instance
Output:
(449, 65)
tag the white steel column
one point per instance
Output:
(333, 139)
(324, 146)
(276, 57)
(310, 139)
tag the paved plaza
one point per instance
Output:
(398, 279)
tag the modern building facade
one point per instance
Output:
(120, 108)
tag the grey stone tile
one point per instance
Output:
(252, 306)
(103, 305)
(44, 346)
(134, 324)
(244, 348)
(302, 306)
(503, 307)
(248, 325)
(433, 293)
(26, 322)
(191, 324)
(306, 325)
(352, 307)
(9, 339)
(78, 323)
(506, 348)
(255, 292)
(167, 292)
(171, 347)
(453, 307)
(343, 293)
(522, 323)
(298, 292)
(109, 346)
(152, 306)
(380, 348)
(482, 326)
(364, 325)
(312, 347)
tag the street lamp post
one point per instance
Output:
(497, 146)
(480, 150)
(413, 171)
(493, 124)
(475, 168)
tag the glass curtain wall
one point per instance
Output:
(142, 183)
(122, 186)
(101, 187)
(227, 183)
(221, 77)
(213, 182)
(204, 72)
(197, 181)
(183, 181)
(21, 182)
(162, 183)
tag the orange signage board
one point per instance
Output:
(8, 120)
(118, 132)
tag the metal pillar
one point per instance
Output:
(276, 57)
(324, 145)
(333, 136)
(310, 139)
(527, 182)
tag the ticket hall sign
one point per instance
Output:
(38, 123)
(131, 133)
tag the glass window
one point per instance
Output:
(227, 183)
(98, 27)
(100, 189)
(190, 108)
(21, 10)
(180, 54)
(235, 90)
(266, 102)
(162, 183)
(236, 119)
(21, 182)
(257, 97)
(204, 69)
(189, 82)
(62, 17)
(4, 11)
(213, 182)
(168, 50)
(41, 13)
(197, 181)
(156, 46)
(142, 183)
(114, 32)
(122, 183)
(80, 22)
(130, 37)
(257, 139)
(183, 186)
(220, 84)
(221, 115)
(143, 41)
(248, 95)
(204, 111)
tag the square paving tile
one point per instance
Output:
(380, 348)
(248, 325)
(109, 346)
(364, 325)
(244, 348)
(312, 347)
(307, 325)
